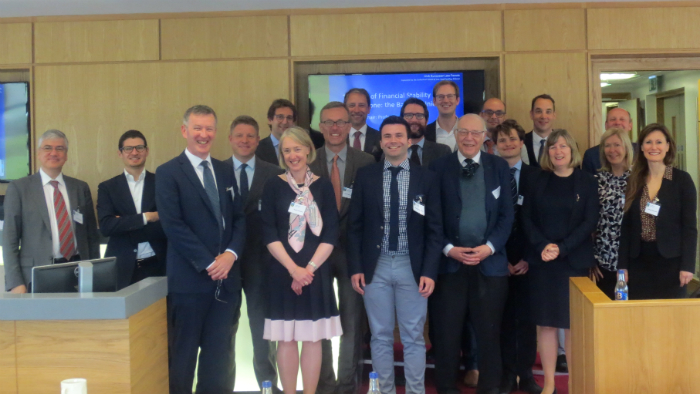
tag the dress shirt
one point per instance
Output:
(275, 144)
(250, 170)
(484, 148)
(363, 135)
(144, 249)
(518, 167)
(446, 137)
(420, 149)
(342, 157)
(477, 159)
(48, 196)
(403, 180)
(536, 143)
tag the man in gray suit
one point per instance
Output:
(251, 175)
(422, 151)
(49, 217)
(339, 162)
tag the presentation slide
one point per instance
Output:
(14, 131)
(387, 91)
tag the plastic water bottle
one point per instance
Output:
(267, 387)
(373, 383)
(621, 287)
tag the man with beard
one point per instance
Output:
(493, 112)
(421, 152)
(362, 137)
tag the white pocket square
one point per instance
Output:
(496, 192)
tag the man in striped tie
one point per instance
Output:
(49, 217)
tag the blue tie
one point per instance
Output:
(212, 192)
(244, 183)
(394, 209)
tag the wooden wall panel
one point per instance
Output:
(561, 75)
(545, 30)
(8, 366)
(15, 43)
(95, 104)
(96, 41)
(224, 38)
(148, 335)
(648, 28)
(397, 33)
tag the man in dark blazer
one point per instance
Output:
(251, 175)
(477, 213)
(205, 227)
(394, 241)
(335, 126)
(421, 151)
(446, 99)
(281, 115)
(543, 115)
(615, 118)
(126, 209)
(518, 331)
(361, 136)
(36, 207)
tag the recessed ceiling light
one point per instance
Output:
(604, 84)
(616, 76)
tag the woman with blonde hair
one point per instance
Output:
(300, 222)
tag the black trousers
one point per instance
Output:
(198, 322)
(147, 268)
(518, 331)
(468, 292)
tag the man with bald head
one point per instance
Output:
(616, 118)
(494, 113)
(477, 208)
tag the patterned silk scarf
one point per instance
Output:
(297, 223)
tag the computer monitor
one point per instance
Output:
(63, 278)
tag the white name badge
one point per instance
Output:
(78, 217)
(297, 209)
(233, 195)
(496, 192)
(520, 200)
(419, 208)
(652, 209)
(347, 192)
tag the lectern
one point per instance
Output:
(638, 347)
(117, 341)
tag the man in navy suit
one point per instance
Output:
(543, 114)
(361, 136)
(205, 227)
(126, 209)
(617, 118)
(394, 242)
(477, 214)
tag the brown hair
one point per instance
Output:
(244, 119)
(505, 128)
(546, 161)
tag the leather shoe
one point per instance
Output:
(508, 385)
(562, 365)
(530, 386)
(471, 378)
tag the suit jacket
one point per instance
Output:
(355, 160)
(27, 225)
(431, 132)
(192, 229)
(577, 244)
(372, 143)
(366, 222)
(124, 227)
(317, 138)
(517, 247)
(499, 211)
(676, 225)
(266, 151)
(254, 249)
(591, 160)
(532, 158)
(433, 150)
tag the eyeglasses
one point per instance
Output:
(49, 148)
(409, 116)
(281, 117)
(129, 149)
(489, 113)
(441, 97)
(217, 293)
(339, 123)
(461, 133)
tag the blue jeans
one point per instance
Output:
(394, 290)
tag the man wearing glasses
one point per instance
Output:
(446, 99)
(49, 214)
(421, 152)
(494, 113)
(126, 209)
(477, 210)
(281, 115)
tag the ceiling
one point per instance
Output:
(24, 8)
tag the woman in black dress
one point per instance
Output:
(659, 227)
(559, 216)
(300, 230)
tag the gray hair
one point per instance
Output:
(475, 117)
(198, 110)
(50, 135)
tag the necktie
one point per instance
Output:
(489, 146)
(539, 155)
(212, 192)
(513, 186)
(335, 180)
(65, 231)
(394, 209)
(469, 168)
(357, 144)
(244, 183)
(414, 155)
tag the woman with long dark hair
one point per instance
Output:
(659, 228)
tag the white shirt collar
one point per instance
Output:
(437, 123)
(45, 178)
(196, 161)
(237, 163)
(362, 130)
(518, 165)
(462, 158)
(130, 178)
